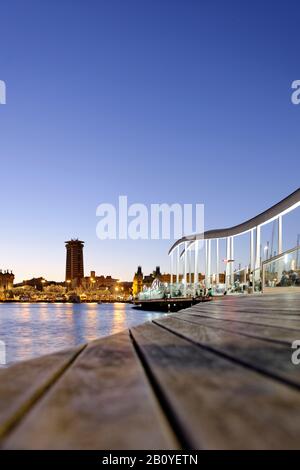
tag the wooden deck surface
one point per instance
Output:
(213, 376)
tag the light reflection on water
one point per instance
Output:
(31, 330)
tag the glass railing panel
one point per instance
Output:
(283, 270)
(256, 280)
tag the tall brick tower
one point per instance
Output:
(74, 262)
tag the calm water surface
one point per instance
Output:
(31, 330)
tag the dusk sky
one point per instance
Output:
(163, 101)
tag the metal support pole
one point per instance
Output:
(279, 234)
(279, 246)
(196, 266)
(171, 274)
(177, 265)
(227, 272)
(257, 255)
(208, 263)
(297, 259)
(190, 265)
(232, 262)
(205, 280)
(258, 247)
(185, 267)
(217, 262)
(252, 257)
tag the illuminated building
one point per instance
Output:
(6, 280)
(74, 262)
(138, 279)
(98, 282)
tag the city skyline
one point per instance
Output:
(267, 250)
(136, 100)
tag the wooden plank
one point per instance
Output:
(251, 308)
(252, 302)
(103, 401)
(289, 314)
(270, 333)
(284, 311)
(217, 403)
(261, 308)
(268, 357)
(22, 384)
(295, 319)
(248, 318)
(259, 297)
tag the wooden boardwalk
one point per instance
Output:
(213, 376)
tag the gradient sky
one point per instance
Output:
(163, 101)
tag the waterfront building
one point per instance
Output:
(38, 283)
(166, 278)
(6, 280)
(98, 282)
(138, 279)
(126, 288)
(74, 262)
(148, 280)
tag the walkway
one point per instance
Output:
(216, 375)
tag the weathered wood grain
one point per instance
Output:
(272, 320)
(254, 303)
(217, 403)
(270, 333)
(239, 308)
(103, 401)
(22, 384)
(265, 356)
(270, 313)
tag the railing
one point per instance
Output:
(249, 280)
(282, 271)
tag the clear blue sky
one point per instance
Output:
(161, 100)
